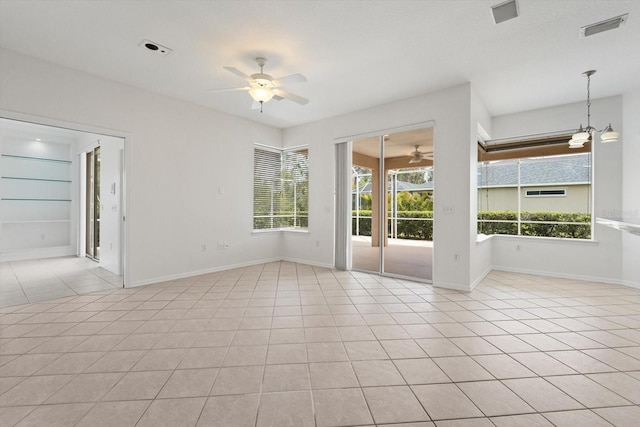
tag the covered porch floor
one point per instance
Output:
(411, 258)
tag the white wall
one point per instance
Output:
(597, 260)
(188, 177)
(111, 156)
(631, 187)
(454, 143)
(481, 249)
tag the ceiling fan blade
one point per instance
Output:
(230, 89)
(237, 72)
(293, 78)
(291, 97)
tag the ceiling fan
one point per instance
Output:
(418, 156)
(262, 87)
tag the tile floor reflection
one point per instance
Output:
(23, 282)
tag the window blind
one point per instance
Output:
(280, 188)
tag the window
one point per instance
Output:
(547, 196)
(280, 188)
(547, 193)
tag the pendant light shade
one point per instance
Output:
(609, 135)
(579, 138)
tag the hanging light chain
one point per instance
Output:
(588, 101)
(585, 134)
(589, 74)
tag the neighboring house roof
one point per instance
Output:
(571, 169)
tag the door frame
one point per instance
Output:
(126, 137)
(382, 205)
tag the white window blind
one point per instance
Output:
(280, 188)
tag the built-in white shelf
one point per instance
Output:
(620, 225)
(40, 221)
(36, 195)
(45, 159)
(35, 179)
(38, 200)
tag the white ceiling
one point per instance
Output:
(26, 131)
(355, 54)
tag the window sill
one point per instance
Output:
(278, 230)
(295, 230)
(542, 239)
(480, 238)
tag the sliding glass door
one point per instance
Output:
(392, 204)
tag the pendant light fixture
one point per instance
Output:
(585, 134)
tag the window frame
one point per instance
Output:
(519, 220)
(279, 182)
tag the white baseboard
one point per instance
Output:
(307, 262)
(631, 284)
(26, 254)
(480, 278)
(452, 286)
(560, 275)
(197, 272)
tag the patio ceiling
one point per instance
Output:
(399, 144)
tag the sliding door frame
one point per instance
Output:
(346, 211)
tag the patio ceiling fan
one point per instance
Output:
(262, 87)
(418, 156)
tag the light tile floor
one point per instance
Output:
(285, 344)
(23, 282)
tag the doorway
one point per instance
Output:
(101, 199)
(54, 214)
(392, 204)
(92, 204)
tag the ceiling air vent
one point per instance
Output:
(154, 47)
(504, 11)
(606, 25)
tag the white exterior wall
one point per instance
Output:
(600, 259)
(188, 168)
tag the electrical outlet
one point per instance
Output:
(456, 257)
(220, 245)
(203, 248)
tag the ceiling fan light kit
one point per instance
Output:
(262, 87)
(418, 156)
(584, 135)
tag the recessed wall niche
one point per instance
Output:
(36, 192)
